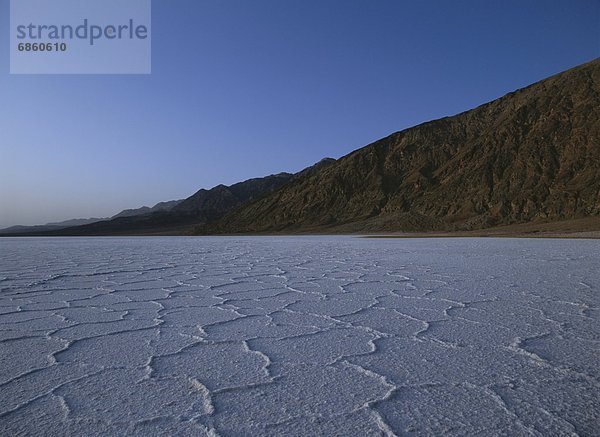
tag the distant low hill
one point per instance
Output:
(49, 226)
(530, 156)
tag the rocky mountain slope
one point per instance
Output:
(532, 155)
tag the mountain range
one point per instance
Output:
(57, 226)
(530, 157)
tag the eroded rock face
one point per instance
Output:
(533, 154)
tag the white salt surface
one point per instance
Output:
(299, 336)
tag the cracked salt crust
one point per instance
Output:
(299, 336)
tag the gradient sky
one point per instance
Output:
(241, 89)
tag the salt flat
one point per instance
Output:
(299, 336)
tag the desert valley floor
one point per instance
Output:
(299, 336)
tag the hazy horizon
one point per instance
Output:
(242, 90)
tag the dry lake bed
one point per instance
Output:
(299, 336)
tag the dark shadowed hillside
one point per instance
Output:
(177, 217)
(532, 155)
(214, 202)
(180, 217)
(162, 206)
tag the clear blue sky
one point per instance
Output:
(243, 88)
